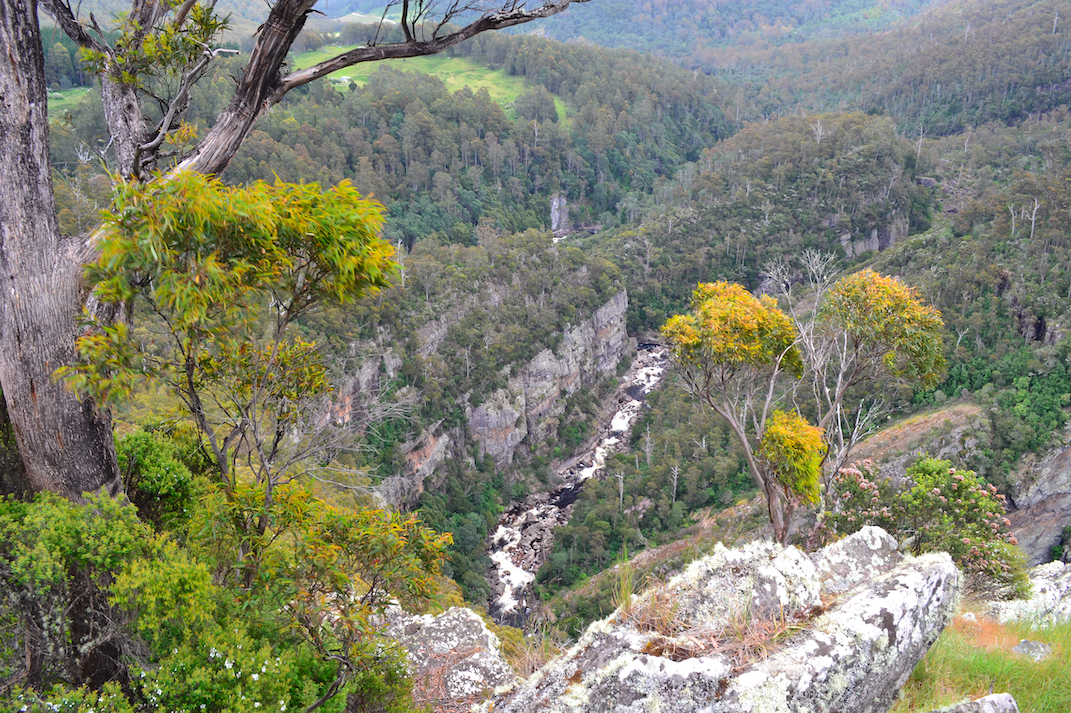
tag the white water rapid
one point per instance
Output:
(524, 537)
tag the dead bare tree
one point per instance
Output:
(832, 365)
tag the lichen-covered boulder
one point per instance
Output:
(995, 703)
(454, 658)
(744, 631)
(1050, 602)
(762, 579)
(847, 563)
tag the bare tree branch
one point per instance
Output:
(61, 12)
(261, 85)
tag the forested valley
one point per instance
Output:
(291, 417)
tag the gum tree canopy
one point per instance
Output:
(66, 444)
(767, 371)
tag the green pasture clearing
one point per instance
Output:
(59, 102)
(455, 73)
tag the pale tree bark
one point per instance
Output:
(65, 444)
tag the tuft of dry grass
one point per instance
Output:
(658, 611)
(745, 639)
(534, 650)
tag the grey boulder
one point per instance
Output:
(454, 658)
(995, 703)
(747, 631)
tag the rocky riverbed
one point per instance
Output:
(524, 537)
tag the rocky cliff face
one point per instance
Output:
(705, 641)
(1043, 504)
(1049, 603)
(533, 400)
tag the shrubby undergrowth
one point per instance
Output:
(100, 611)
(936, 509)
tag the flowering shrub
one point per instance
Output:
(940, 508)
(226, 670)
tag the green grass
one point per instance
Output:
(59, 102)
(970, 659)
(455, 72)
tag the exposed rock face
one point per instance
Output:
(995, 703)
(853, 658)
(1050, 602)
(530, 405)
(499, 424)
(454, 658)
(421, 460)
(559, 214)
(861, 557)
(1043, 505)
(879, 238)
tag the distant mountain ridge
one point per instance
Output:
(683, 30)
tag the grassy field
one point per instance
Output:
(59, 102)
(455, 72)
(973, 658)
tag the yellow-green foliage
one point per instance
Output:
(205, 257)
(729, 327)
(885, 317)
(793, 451)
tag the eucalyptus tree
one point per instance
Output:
(767, 372)
(163, 48)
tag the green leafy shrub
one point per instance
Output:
(60, 619)
(226, 670)
(156, 480)
(940, 508)
(109, 699)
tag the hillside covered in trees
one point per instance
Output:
(689, 143)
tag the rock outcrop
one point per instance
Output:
(454, 659)
(421, 459)
(1050, 602)
(706, 640)
(878, 240)
(995, 703)
(1043, 505)
(531, 403)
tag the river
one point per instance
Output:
(524, 537)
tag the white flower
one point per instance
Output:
(255, 676)
(228, 663)
(256, 704)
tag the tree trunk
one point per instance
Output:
(66, 446)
